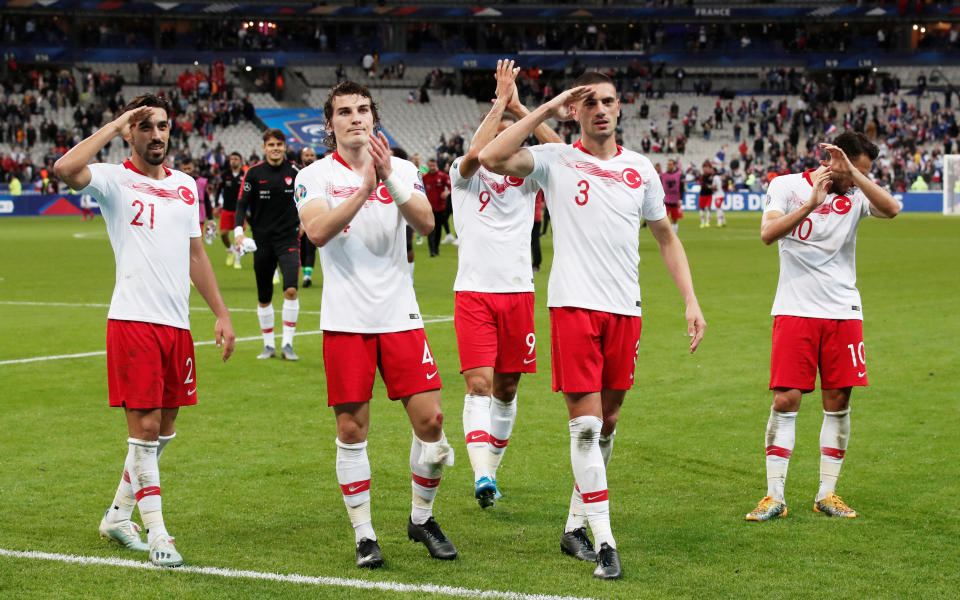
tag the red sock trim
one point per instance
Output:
(351, 489)
(832, 452)
(267, 330)
(778, 451)
(499, 443)
(478, 436)
(591, 497)
(126, 476)
(424, 482)
(289, 323)
(153, 490)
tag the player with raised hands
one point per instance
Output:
(493, 313)
(597, 193)
(354, 205)
(153, 220)
(818, 320)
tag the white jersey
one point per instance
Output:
(493, 215)
(595, 208)
(150, 223)
(717, 186)
(366, 280)
(818, 267)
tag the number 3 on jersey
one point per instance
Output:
(584, 186)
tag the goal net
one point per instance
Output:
(951, 184)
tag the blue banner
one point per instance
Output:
(302, 126)
(33, 205)
(752, 201)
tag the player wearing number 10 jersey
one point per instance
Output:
(355, 204)
(493, 313)
(818, 318)
(152, 219)
(597, 193)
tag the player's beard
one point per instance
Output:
(149, 156)
(839, 184)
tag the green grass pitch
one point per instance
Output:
(249, 482)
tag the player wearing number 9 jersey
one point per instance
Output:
(355, 205)
(597, 193)
(493, 313)
(814, 217)
(152, 219)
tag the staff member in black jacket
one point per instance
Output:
(267, 191)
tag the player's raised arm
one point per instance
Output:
(775, 224)
(544, 133)
(505, 155)
(201, 273)
(321, 223)
(506, 76)
(675, 258)
(414, 206)
(71, 168)
(882, 204)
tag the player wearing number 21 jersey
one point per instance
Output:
(818, 315)
(597, 194)
(152, 216)
(493, 313)
(355, 205)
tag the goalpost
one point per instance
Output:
(951, 184)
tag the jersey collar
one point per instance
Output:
(806, 175)
(339, 159)
(579, 146)
(129, 164)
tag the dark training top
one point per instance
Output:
(230, 189)
(267, 191)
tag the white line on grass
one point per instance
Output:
(17, 361)
(386, 586)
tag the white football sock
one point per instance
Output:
(721, 219)
(591, 476)
(145, 482)
(289, 313)
(676, 227)
(265, 314)
(780, 436)
(502, 417)
(162, 441)
(834, 435)
(577, 517)
(426, 469)
(476, 431)
(124, 500)
(353, 475)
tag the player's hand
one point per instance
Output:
(839, 162)
(696, 325)
(124, 122)
(506, 76)
(369, 173)
(380, 151)
(225, 336)
(560, 106)
(821, 186)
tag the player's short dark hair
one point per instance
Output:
(238, 155)
(346, 88)
(151, 100)
(590, 78)
(399, 153)
(854, 144)
(186, 160)
(274, 134)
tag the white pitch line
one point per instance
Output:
(18, 361)
(386, 586)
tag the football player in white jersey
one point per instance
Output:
(597, 194)
(493, 313)
(818, 320)
(354, 205)
(152, 219)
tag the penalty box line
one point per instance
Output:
(17, 361)
(360, 584)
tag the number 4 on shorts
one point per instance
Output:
(427, 357)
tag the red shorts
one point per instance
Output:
(350, 361)
(228, 220)
(802, 345)
(704, 202)
(718, 202)
(496, 330)
(674, 212)
(592, 350)
(150, 366)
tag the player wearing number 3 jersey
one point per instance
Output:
(817, 310)
(597, 194)
(152, 216)
(493, 313)
(355, 205)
